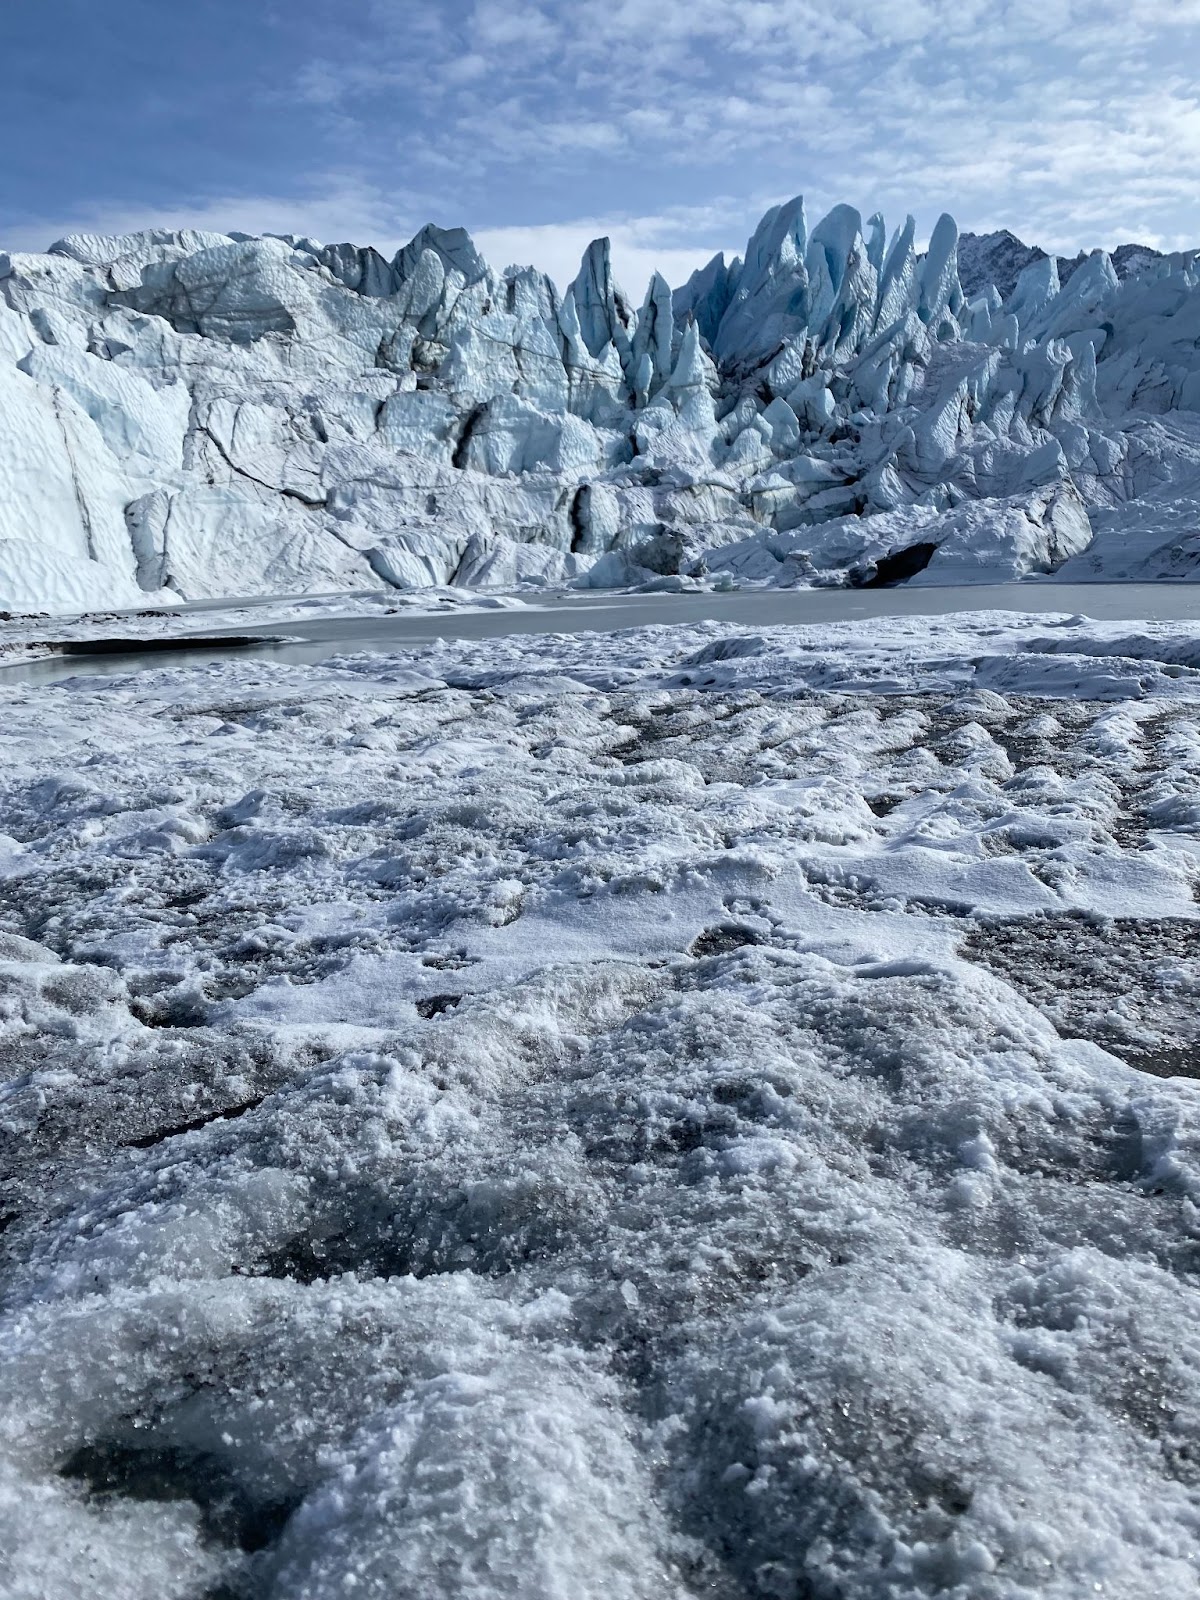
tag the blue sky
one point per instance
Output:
(668, 124)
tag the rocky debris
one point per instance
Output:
(993, 259)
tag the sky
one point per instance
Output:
(669, 125)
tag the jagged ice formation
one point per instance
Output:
(197, 414)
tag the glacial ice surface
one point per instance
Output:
(188, 414)
(686, 1113)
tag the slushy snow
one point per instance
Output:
(674, 1114)
(192, 415)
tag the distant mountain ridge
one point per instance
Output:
(999, 258)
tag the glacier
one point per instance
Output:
(190, 415)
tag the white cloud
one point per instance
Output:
(966, 104)
(339, 209)
(1074, 122)
(673, 245)
(334, 209)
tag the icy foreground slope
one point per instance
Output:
(606, 1118)
(219, 415)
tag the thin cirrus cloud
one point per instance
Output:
(669, 124)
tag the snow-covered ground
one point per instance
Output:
(686, 1113)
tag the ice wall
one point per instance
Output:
(195, 414)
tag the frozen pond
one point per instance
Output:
(318, 638)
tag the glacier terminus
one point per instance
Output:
(186, 415)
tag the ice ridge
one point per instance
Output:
(192, 414)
